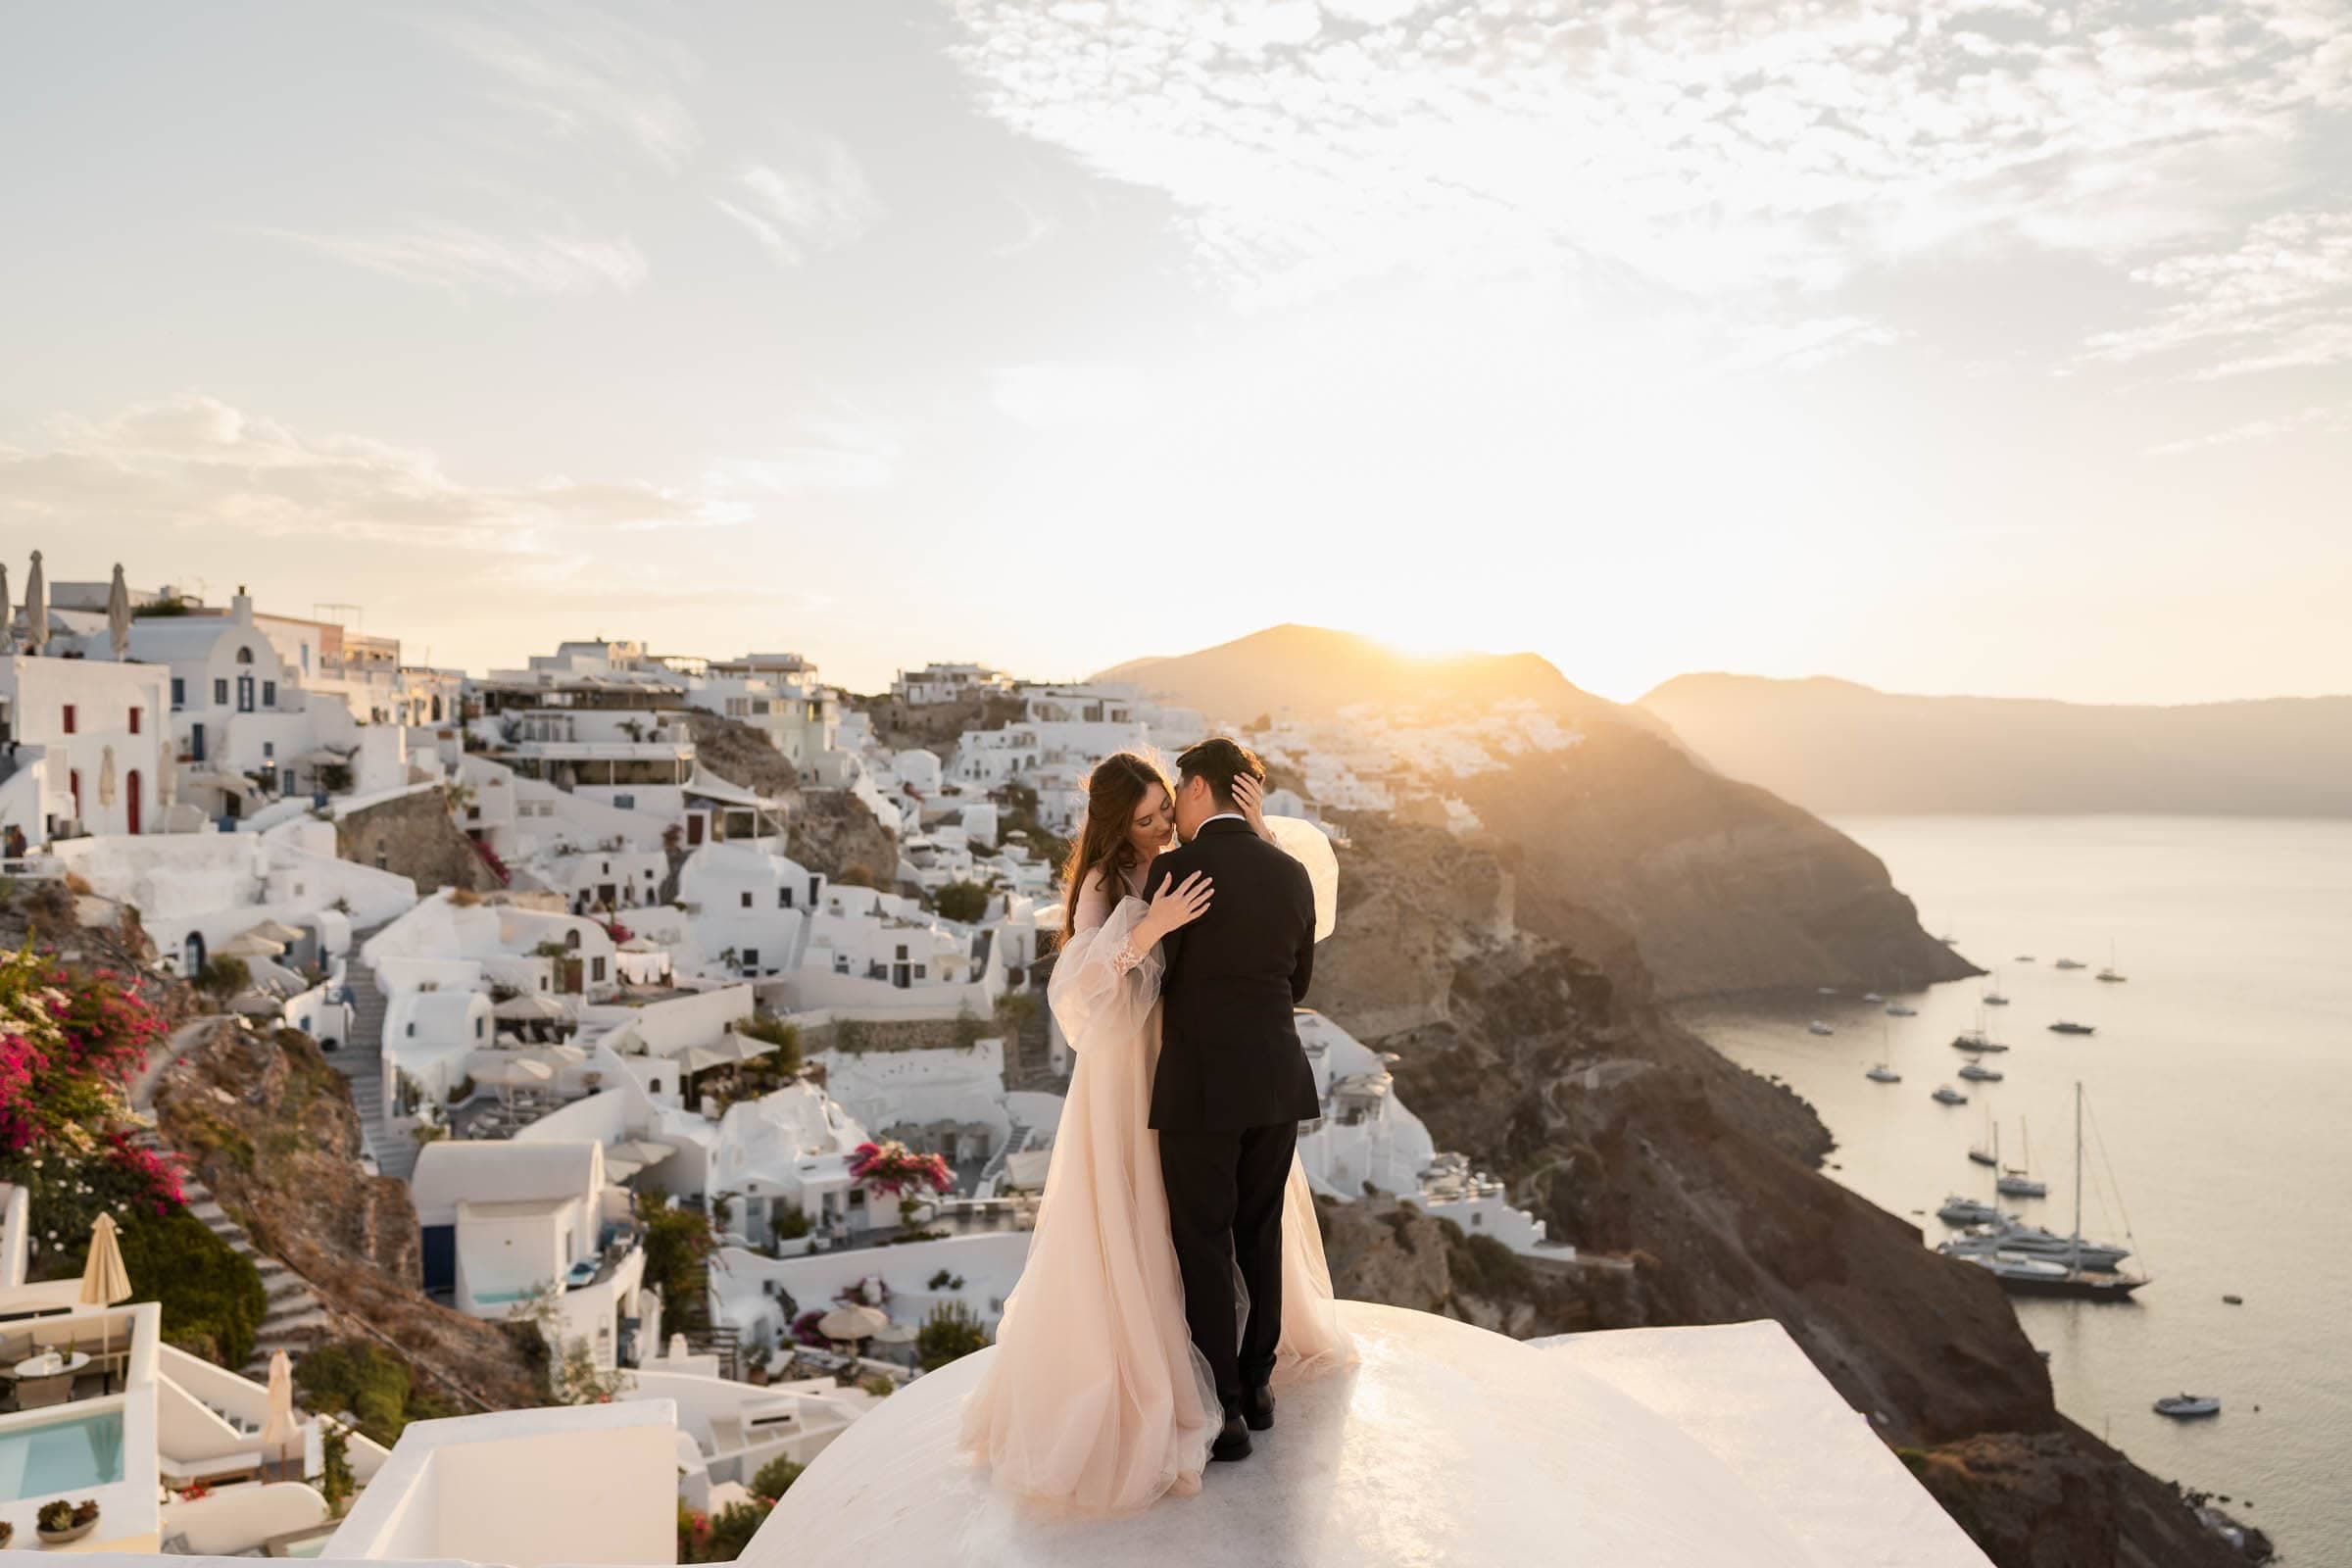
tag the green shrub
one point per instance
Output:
(368, 1384)
(211, 1295)
(223, 976)
(677, 1251)
(949, 1334)
(791, 1222)
(775, 1477)
(965, 903)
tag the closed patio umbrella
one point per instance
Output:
(8, 624)
(118, 615)
(36, 607)
(106, 775)
(279, 1429)
(103, 1279)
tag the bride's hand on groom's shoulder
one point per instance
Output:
(1176, 904)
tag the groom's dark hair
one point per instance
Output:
(1220, 761)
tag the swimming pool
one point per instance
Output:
(70, 1455)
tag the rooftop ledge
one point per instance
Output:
(1694, 1447)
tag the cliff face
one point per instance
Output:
(269, 1125)
(1630, 854)
(1693, 1183)
(413, 836)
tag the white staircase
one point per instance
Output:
(361, 1061)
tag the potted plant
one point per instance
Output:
(62, 1522)
(7, 1533)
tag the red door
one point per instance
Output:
(132, 797)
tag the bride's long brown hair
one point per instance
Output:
(1114, 790)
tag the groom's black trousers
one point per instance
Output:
(1225, 1209)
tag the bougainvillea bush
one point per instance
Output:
(890, 1168)
(70, 1043)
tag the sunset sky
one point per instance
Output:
(2000, 347)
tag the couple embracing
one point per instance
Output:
(1176, 1274)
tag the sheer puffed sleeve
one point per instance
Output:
(1105, 979)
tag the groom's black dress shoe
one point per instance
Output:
(1233, 1439)
(1258, 1407)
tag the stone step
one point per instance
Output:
(294, 1317)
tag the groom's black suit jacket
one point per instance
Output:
(1229, 1055)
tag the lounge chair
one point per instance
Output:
(33, 1393)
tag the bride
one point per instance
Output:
(1095, 1398)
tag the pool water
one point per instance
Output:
(59, 1456)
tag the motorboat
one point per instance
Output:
(1993, 999)
(1946, 1095)
(1984, 1157)
(2189, 1406)
(2009, 1234)
(1977, 1041)
(1957, 1211)
(2016, 1184)
(1818, 1028)
(1977, 1073)
(2066, 1026)
(1872, 996)
(1884, 1074)
(2068, 963)
(2022, 957)
(2024, 1275)
(1895, 1009)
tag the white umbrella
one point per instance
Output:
(532, 1008)
(896, 1334)
(279, 1429)
(118, 615)
(620, 1170)
(36, 607)
(103, 1279)
(852, 1323)
(517, 1073)
(555, 1057)
(249, 945)
(641, 945)
(642, 1151)
(699, 1058)
(276, 931)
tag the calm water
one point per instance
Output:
(2220, 1082)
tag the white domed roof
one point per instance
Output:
(1448, 1444)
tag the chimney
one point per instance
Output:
(242, 607)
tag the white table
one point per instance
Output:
(49, 1364)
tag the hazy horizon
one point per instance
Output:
(1994, 347)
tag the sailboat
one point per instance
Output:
(2014, 1181)
(2111, 973)
(1993, 1156)
(2028, 1274)
(1993, 998)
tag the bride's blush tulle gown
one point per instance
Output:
(1095, 1398)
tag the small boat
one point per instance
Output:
(2234, 1301)
(1993, 999)
(2189, 1406)
(2016, 1184)
(1967, 1211)
(1946, 1095)
(1884, 1074)
(1975, 1040)
(1872, 996)
(1977, 1073)
(1818, 1028)
(2022, 957)
(2067, 964)
(2066, 1026)
(1981, 1153)
(2111, 974)
(1984, 1157)
(1825, 990)
(1895, 1009)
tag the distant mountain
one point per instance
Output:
(1832, 746)
(1309, 672)
(1623, 845)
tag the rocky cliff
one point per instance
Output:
(1693, 1188)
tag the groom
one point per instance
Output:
(1232, 1084)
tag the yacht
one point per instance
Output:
(1967, 1211)
(2008, 1234)
(1977, 1073)
(1884, 1074)
(2066, 1027)
(2067, 964)
(2186, 1406)
(1993, 999)
(1872, 996)
(2016, 1184)
(1976, 1041)
(1946, 1095)
(1818, 1028)
(1895, 1009)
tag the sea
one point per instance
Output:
(2217, 1135)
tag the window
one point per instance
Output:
(596, 967)
(624, 803)
(571, 940)
(179, 692)
(68, 723)
(653, 1086)
(268, 693)
(135, 721)
(783, 898)
(920, 970)
(269, 749)
(478, 1028)
(746, 900)
(221, 689)
(901, 950)
(244, 655)
(412, 1031)
(751, 958)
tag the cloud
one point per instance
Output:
(461, 259)
(579, 74)
(196, 463)
(2280, 299)
(1709, 149)
(2267, 429)
(803, 211)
